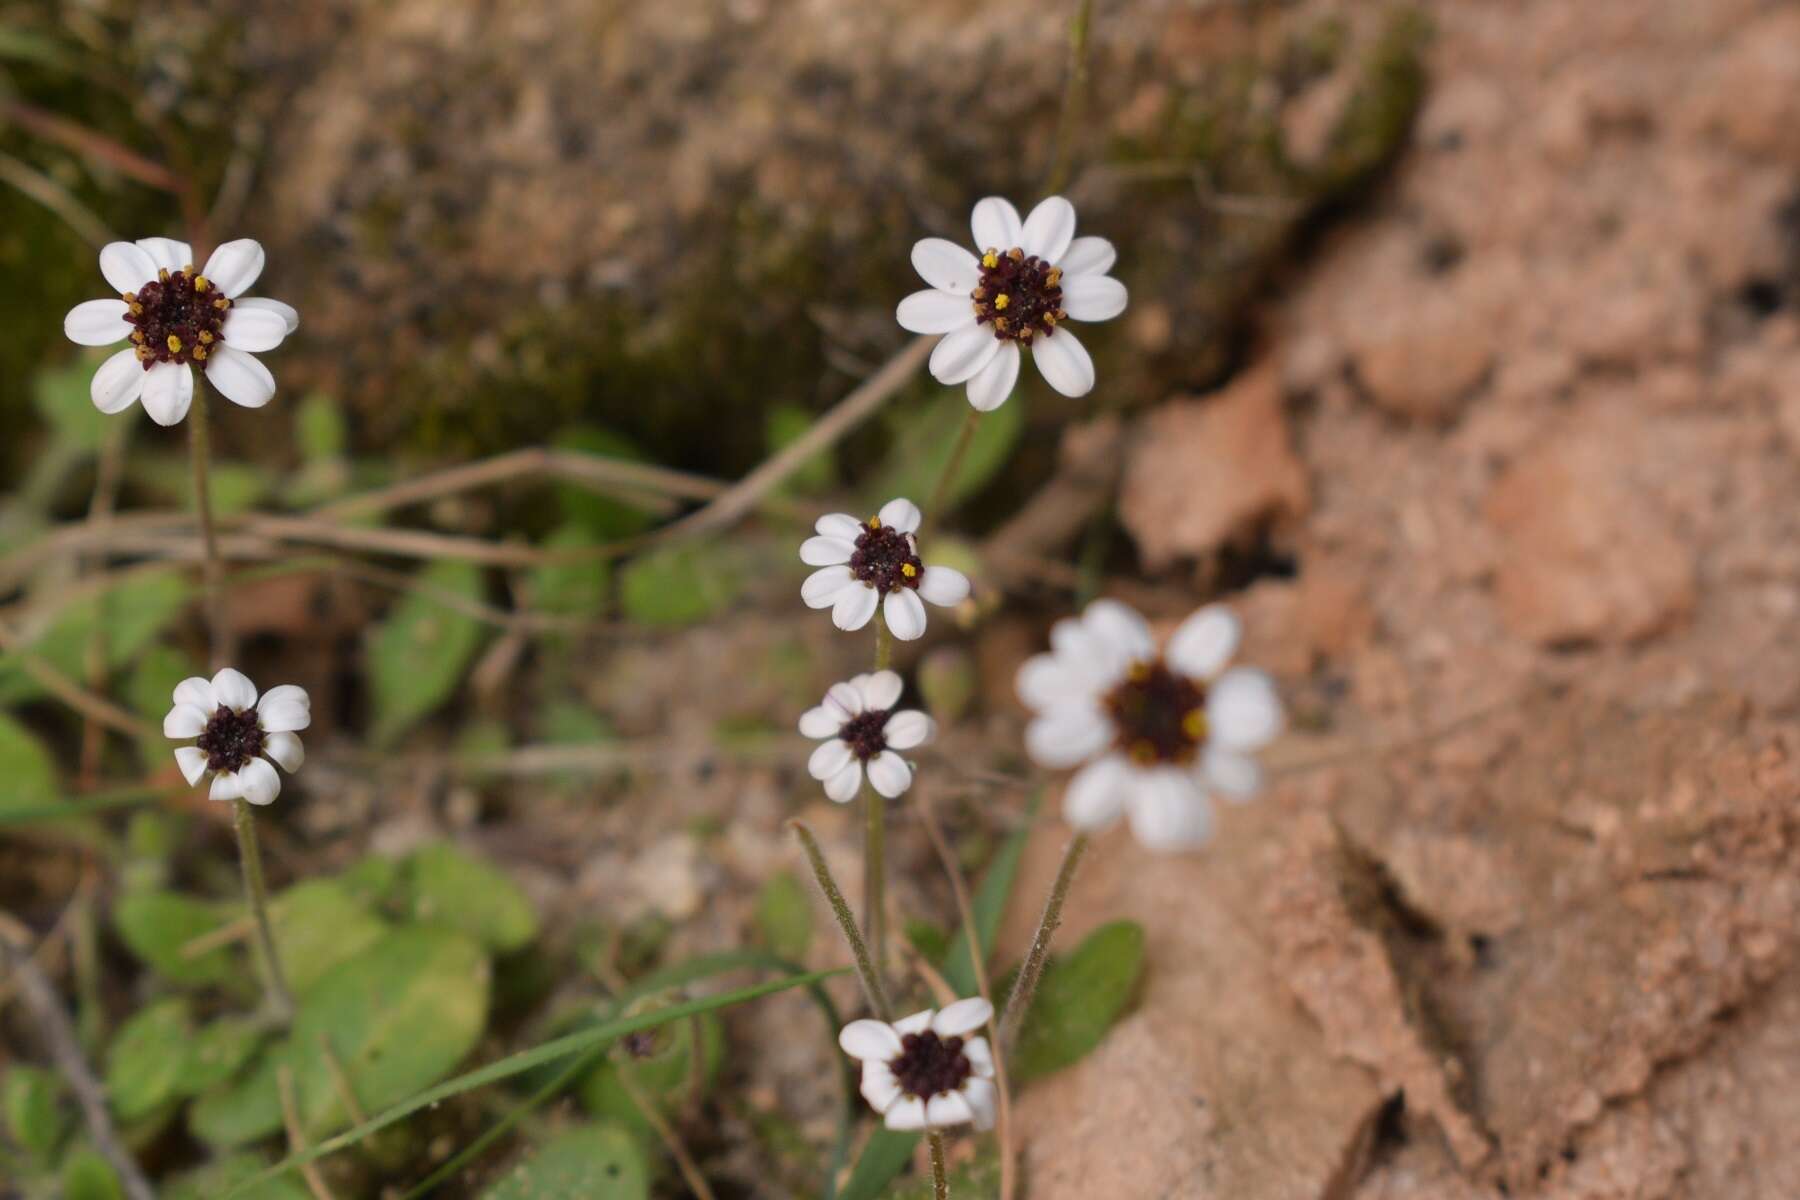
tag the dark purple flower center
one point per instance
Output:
(231, 739)
(1160, 715)
(929, 1065)
(1020, 295)
(179, 316)
(866, 733)
(886, 559)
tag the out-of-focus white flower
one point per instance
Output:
(1025, 280)
(238, 734)
(925, 1072)
(176, 317)
(859, 730)
(865, 563)
(1158, 732)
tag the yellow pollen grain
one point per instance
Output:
(990, 259)
(875, 522)
(206, 337)
(1194, 724)
(221, 303)
(1000, 324)
(908, 570)
(1015, 254)
(129, 297)
(1049, 318)
(202, 283)
(137, 310)
(137, 335)
(1054, 277)
(174, 344)
(199, 353)
(162, 273)
(1002, 300)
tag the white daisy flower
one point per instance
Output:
(1031, 276)
(1158, 732)
(877, 561)
(175, 316)
(859, 730)
(238, 734)
(924, 1072)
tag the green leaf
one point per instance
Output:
(319, 427)
(220, 1051)
(319, 924)
(86, 1175)
(419, 653)
(371, 881)
(147, 1059)
(597, 1162)
(978, 1177)
(445, 886)
(681, 585)
(663, 1076)
(27, 776)
(155, 925)
(922, 445)
(1078, 999)
(605, 518)
(786, 424)
(571, 589)
(139, 608)
(205, 1183)
(784, 915)
(150, 688)
(34, 1115)
(884, 1156)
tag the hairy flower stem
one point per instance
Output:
(940, 492)
(200, 453)
(281, 1001)
(1019, 1002)
(940, 1178)
(859, 950)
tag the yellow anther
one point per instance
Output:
(221, 304)
(187, 272)
(875, 521)
(908, 570)
(979, 293)
(174, 344)
(1002, 300)
(143, 353)
(199, 353)
(206, 337)
(1000, 324)
(137, 335)
(1015, 254)
(162, 273)
(202, 283)
(1139, 672)
(1049, 318)
(1054, 277)
(1194, 724)
(129, 297)
(137, 310)
(991, 259)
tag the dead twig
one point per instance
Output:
(296, 1135)
(94, 708)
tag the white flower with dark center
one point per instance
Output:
(859, 730)
(178, 318)
(238, 734)
(926, 1072)
(1031, 276)
(1158, 731)
(865, 563)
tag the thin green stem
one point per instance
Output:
(940, 492)
(281, 1001)
(200, 453)
(1074, 101)
(940, 1176)
(1019, 1002)
(884, 643)
(859, 950)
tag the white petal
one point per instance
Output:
(1049, 229)
(946, 266)
(192, 761)
(261, 783)
(97, 323)
(854, 607)
(1242, 709)
(233, 689)
(932, 311)
(1096, 794)
(879, 1087)
(845, 698)
(241, 378)
(126, 267)
(286, 693)
(822, 587)
(960, 356)
(168, 392)
(1087, 256)
(889, 774)
(1205, 642)
(843, 786)
(947, 1109)
(826, 551)
(1234, 775)
(964, 1016)
(1093, 297)
(197, 691)
(907, 1114)
(283, 716)
(1045, 681)
(881, 690)
(982, 1097)
(901, 515)
(828, 758)
(234, 266)
(1067, 734)
(996, 225)
(226, 786)
(256, 329)
(908, 728)
(285, 749)
(945, 587)
(819, 723)
(980, 1056)
(1121, 628)
(905, 614)
(870, 1041)
(1064, 363)
(992, 384)
(167, 252)
(1083, 651)
(118, 383)
(288, 314)
(1168, 810)
(184, 721)
(918, 1022)
(839, 525)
